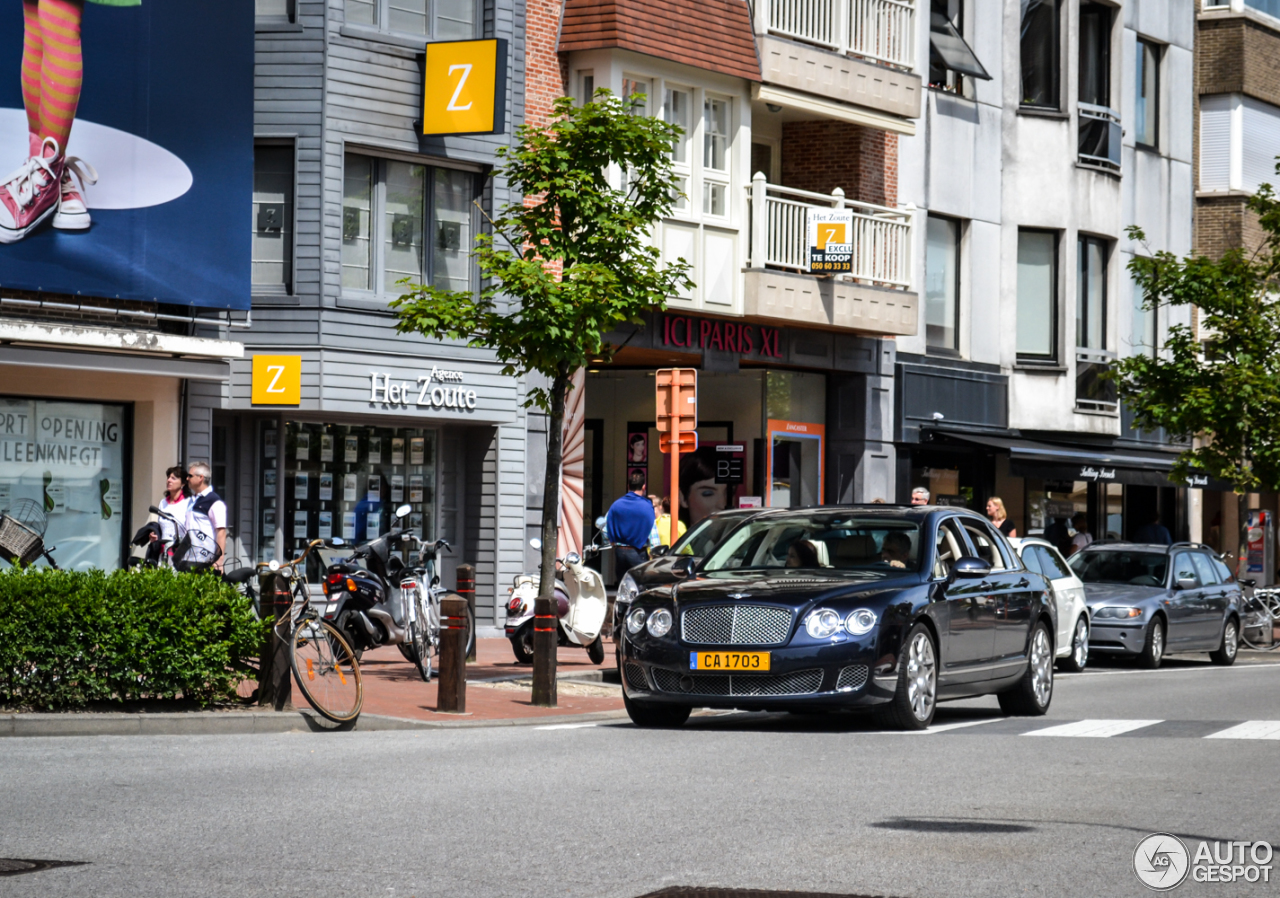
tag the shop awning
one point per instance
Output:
(1105, 464)
(117, 363)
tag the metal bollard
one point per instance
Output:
(544, 652)
(452, 696)
(467, 589)
(275, 689)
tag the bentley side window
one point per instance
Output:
(948, 549)
(985, 545)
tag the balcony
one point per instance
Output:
(816, 55)
(874, 298)
(1099, 137)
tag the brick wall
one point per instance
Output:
(1238, 55)
(1223, 223)
(546, 77)
(823, 155)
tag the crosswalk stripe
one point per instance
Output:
(1093, 729)
(565, 726)
(1250, 729)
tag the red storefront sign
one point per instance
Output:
(725, 336)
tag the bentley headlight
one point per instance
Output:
(660, 622)
(822, 623)
(635, 621)
(627, 590)
(860, 622)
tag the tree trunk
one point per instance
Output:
(544, 653)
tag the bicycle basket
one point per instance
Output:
(18, 542)
(29, 513)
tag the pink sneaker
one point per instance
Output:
(30, 195)
(73, 213)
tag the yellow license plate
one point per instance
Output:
(729, 661)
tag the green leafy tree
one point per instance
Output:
(566, 266)
(1222, 390)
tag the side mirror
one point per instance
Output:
(535, 543)
(1186, 583)
(403, 511)
(684, 566)
(970, 568)
(659, 551)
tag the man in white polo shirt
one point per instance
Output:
(206, 514)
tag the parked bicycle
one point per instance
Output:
(1261, 612)
(22, 529)
(324, 666)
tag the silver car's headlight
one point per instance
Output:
(660, 622)
(822, 623)
(1117, 612)
(860, 622)
(635, 621)
(627, 590)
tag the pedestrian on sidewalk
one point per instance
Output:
(174, 502)
(1083, 537)
(999, 518)
(629, 523)
(665, 537)
(206, 521)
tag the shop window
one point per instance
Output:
(345, 480)
(715, 157)
(1050, 507)
(404, 220)
(1041, 47)
(273, 186)
(1037, 295)
(436, 19)
(1146, 118)
(64, 469)
(942, 283)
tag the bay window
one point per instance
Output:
(677, 109)
(715, 157)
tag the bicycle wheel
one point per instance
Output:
(326, 671)
(1260, 613)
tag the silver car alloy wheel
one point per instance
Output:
(1157, 641)
(1231, 639)
(1041, 667)
(922, 676)
(1080, 644)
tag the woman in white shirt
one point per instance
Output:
(174, 502)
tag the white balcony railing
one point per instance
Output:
(880, 30)
(780, 233)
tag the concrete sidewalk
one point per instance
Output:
(394, 698)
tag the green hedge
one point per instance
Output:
(68, 638)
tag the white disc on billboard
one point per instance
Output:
(133, 172)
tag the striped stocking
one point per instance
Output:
(61, 67)
(31, 53)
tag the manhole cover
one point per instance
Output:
(695, 892)
(12, 866)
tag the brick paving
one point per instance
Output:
(393, 688)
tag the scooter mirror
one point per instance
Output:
(535, 543)
(600, 522)
(403, 511)
(435, 581)
(337, 541)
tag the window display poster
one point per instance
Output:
(269, 483)
(302, 449)
(638, 447)
(417, 450)
(397, 450)
(55, 496)
(112, 497)
(415, 488)
(299, 524)
(348, 525)
(269, 443)
(326, 525)
(351, 449)
(349, 488)
(326, 447)
(301, 486)
(372, 523)
(375, 450)
(415, 522)
(269, 522)
(397, 488)
(326, 487)
(374, 492)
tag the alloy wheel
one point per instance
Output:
(922, 676)
(1157, 641)
(1041, 667)
(1080, 644)
(1231, 639)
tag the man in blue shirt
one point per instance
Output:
(1153, 532)
(628, 525)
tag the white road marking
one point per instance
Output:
(565, 726)
(933, 728)
(1250, 729)
(1093, 729)
(1094, 673)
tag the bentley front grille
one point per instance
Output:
(635, 677)
(802, 682)
(852, 678)
(735, 625)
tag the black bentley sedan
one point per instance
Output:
(887, 608)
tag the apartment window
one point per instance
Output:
(1041, 47)
(677, 109)
(950, 57)
(405, 220)
(275, 10)
(435, 19)
(715, 156)
(1099, 124)
(1270, 7)
(1239, 142)
(1091, 294)
(272, 248)
(1037, 295)
(1146, 125)
(1143, 339)
(942, 282)
(636, 91)
(588, 81)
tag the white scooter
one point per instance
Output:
(581, 606)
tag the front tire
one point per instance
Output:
(916, 696)
(1153, 647)
(1079, 657)
(652, 716)
(1225, 653)
(595, 651)
(1034, 691)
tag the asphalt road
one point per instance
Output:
(823, 804)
